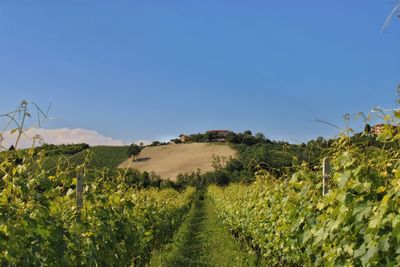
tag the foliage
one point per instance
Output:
(289, 222)
(158, 143)
(100, 157)
(256, 153)
(176, 141)
(209, 136)
(135, 178)
(202, 240)
(41, 226)
(67, 150)
(282, 159)
(107, 156)
(247, 138)
(184, 251)
(134, 150)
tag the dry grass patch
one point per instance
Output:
(170, 160)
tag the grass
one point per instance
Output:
(221, 247)
(202, 240)
(186, 247)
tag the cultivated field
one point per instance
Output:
(170, 160)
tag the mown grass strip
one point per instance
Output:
(186, 248)
(202, 240)
(221, 248)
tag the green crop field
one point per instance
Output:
(98, 157)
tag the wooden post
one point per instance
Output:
(79, 192)
(326, 172)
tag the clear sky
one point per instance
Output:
(149, 70)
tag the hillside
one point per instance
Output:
(170, 160)
(102, 156)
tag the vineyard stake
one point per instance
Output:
(326, 170)
(79, 191)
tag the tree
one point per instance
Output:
(208, 136)
(176, 141)
(155, 143)
(367, 129)
(260, 137)
(134, 150)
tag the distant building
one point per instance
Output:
(378, 129)
(184, 138)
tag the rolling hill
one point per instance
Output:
(170, 160)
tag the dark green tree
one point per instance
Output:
(134, 151)
(260, 136)
(155, 143)
(367, 128)
(247, 132)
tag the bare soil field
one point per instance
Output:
(170, 160)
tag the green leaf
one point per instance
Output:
(396, 221)
(384, 244)
(372, 252)
(344, 178)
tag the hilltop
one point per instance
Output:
(170, 160)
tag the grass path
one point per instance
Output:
(202, 240)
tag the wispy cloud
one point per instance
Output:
(61, 136)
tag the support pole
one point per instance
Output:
(326, 172)
(79, 192)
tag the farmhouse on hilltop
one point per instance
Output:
(379, 128)
(184, 138)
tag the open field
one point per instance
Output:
(170, 160)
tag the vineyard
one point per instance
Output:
(199, 133)
(71, 205)
(75, 208)
(41, 225)
(289, 223)
(283, 221)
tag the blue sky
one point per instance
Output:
(149, 70)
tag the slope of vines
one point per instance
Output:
(118, 225)
(290, 223)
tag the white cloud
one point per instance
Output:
(61, 136)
